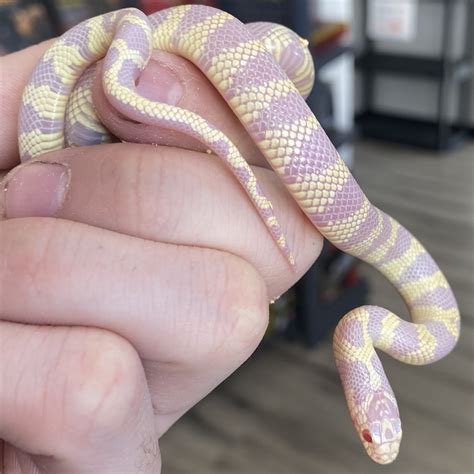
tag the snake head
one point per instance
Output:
(381, 433)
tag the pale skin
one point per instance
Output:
(124, 305)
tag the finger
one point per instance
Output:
(171, 79)
(158, 296)
(76, 399)
(193, 314)
(169, 195)
(15, 71)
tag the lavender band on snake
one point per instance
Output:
(263, 71)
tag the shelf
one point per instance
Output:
(409, 131)
(440, 133)
(428, 67)
(317, 318)
(329, 289)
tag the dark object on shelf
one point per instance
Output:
(321, 104)
(321, 89)
(292, 13)
(329, 290)
(27, 22)
(23, 23)
(327, 55)
(70, 13)
(439, 134)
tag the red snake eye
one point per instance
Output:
(366, 435)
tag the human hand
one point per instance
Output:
(129, 295)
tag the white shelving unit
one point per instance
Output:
(415, 91)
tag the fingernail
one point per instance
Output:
(36, 189)
(160, 83)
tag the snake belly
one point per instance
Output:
(255, 81)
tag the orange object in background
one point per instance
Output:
(326, 35)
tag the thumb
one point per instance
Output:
(174, 80)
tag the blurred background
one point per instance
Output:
(395, 92)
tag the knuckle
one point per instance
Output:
(71, 385)
(242, 306)
(229, 298)
(104, 386)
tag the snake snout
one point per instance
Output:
(381, 431)
(382, 440)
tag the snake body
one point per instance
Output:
(262, 71)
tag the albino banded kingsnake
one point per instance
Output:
(263, 71)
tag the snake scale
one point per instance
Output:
(263, 71)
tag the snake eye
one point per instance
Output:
(367, 436)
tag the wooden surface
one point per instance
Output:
(284, 411)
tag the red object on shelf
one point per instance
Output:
(327, 35)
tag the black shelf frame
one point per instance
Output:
(409, 65)
(440, 134)
(409, 131)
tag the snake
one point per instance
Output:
(264, 71)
